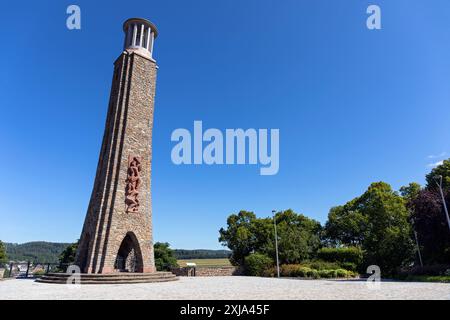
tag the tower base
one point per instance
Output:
(112, 278)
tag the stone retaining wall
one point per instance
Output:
(207, 271)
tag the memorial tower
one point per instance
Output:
(117, 232)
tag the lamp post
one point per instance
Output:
(439, 184)
(418, 248)
(276, 242)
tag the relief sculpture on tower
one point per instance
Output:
(133, 183)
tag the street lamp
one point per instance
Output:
(439, 184)
(276, 242)
(418, 247)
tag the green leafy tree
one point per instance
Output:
(164, 257)
(240, 236)
(441, 170)
(378, 222)
(3, 257)
(388, 243)
(298, 236)
(67, 257)
(346, 225)
(410, 191)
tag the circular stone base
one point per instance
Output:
(110, 278)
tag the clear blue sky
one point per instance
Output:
(353, 106)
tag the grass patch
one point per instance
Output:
(445, 279)
(206, 262)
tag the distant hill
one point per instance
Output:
(37, 251)
(41, 251)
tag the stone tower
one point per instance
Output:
(117, 232)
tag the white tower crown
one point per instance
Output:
(140, 35)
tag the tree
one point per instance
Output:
(428, 216)
(431, 226)
(240, 236)
(67, 257)
(378, 222)
(298, 236)
(410, 191)
(441, 170)
(388, 242)
(346, 225)
(164, 257)
(409, 194)
(3, 257)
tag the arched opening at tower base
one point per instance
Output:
(129, 256)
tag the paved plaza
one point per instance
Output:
(228, 288)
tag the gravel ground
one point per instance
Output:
(228, 288)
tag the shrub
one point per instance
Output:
(306, 271)
(303, 272)
(312, 273)
(322, 265)
(352, 255)
(349, 266)
(270, 272)
(326, 273)
(341, 273)
(256, 264)
(289, 270)
(337, 273)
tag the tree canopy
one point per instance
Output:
(3, 257)
(441, 170)
(378, 222)
(164, 257)
(67, 257)
(428, 216)
(298, 236)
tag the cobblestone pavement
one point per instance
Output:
(227, 288)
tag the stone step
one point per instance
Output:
(110, 281)
(110, 278)
(114, 275)
(104, 275)
(61, 278)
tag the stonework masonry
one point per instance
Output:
(114, 238)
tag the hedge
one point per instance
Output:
(351, 256)
(298, 270)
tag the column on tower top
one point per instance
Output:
(140, 35)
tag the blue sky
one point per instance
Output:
(353, 106)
